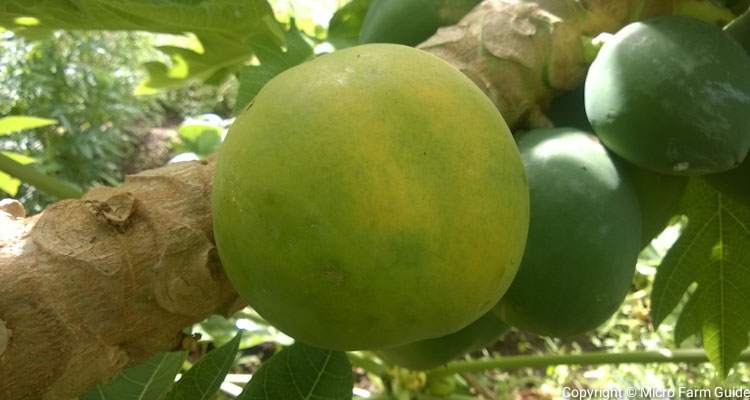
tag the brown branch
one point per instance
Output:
(93, 285)
(523, 53)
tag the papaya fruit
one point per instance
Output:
(369, 198)
(658, 194)
(671, 95)
(569, 110)
(410, 22)
(430, 353)
(584, 236)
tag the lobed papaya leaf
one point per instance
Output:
(220, 58)
(273, 61)
(301, 372)
(149, 380)
(229, 18)
(224, 27)
(712, 255)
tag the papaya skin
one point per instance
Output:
(370, 198)
(584, 236)
(671, 95)
(658, 194)
(431, 353)
(410, 22)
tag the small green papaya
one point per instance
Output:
(671, 95)
(584, 236)
(658, 194)
(430, 353)
(410, 22)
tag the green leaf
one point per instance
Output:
(344, 26)
(301, 372)
(204, 379)
(273, 61)
(231, 18)
(192, 132)
(9, 184)
(225, 28)
(711, 253)
(149, 380)
(219, 58)
(18, 123)
(18, 157)
(201, 136)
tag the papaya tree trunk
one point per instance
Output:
(93, 285)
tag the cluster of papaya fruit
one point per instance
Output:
(374, 198)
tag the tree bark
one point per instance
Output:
(93, 285)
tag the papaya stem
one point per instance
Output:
(739, 29)
(48, 184)
(692, 356)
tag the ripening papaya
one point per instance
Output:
(370, 198)
(410, 22)
(671, 95)
(658, 194)
(584, 236)
(430, 353)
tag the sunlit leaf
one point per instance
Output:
(9, 184)
(273, 61)
(18, 157)
(226, 29)
(149, 380)
(712, 255)
(18, 123)
(301, 372)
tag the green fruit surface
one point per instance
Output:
(410, 22)
(431, 353)
(370, 198)
(672, 95)
(584, 236)
(658, 194)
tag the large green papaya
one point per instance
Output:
(584, 236)
(430, 353)
(671, 95)
(658, 194)
(410, 22)
(370, 198)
